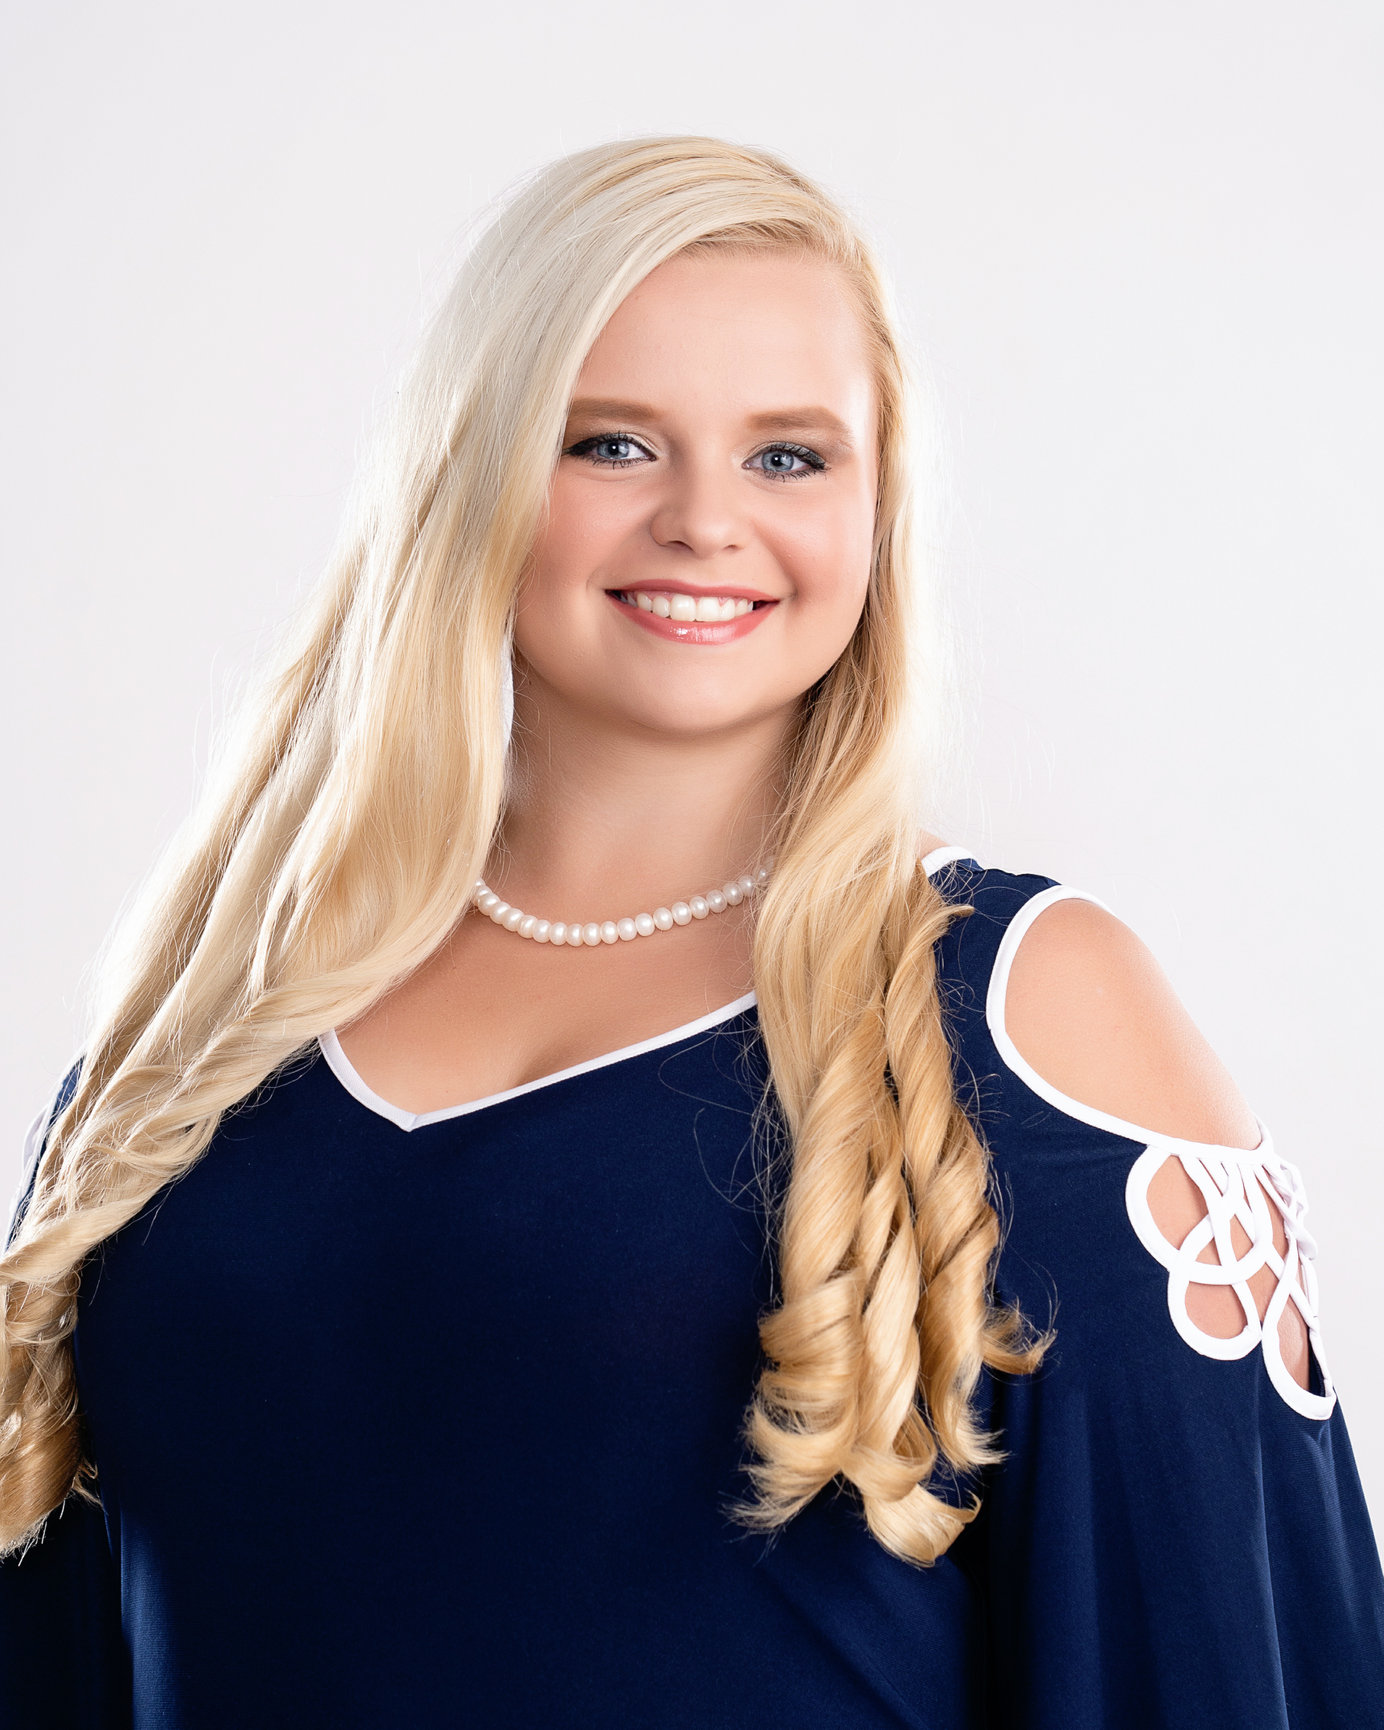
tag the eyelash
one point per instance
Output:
(583, 447)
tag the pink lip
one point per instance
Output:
(694, 631)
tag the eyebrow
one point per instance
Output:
(769, 420)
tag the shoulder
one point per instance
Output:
(1079, 1007)
(1071, 1043)
(1089, 1008)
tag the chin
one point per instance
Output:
(691, 719)
(685, 711)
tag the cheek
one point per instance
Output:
(585, 526)
(827, 554)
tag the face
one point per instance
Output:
(707, 547)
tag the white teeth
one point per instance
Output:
(700, 609)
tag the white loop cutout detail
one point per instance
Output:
(1236, 1190)
(1234, 1183)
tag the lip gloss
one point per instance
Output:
(695, 630)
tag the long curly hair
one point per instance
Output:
(336, 845)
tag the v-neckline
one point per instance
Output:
(359, 1089)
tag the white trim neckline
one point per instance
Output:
(361, 1091)
(940, 856)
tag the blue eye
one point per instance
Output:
(787, 462)
(614, 450)
(609, 450)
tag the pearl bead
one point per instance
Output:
(587, 936)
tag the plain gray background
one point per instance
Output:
(1139, 250)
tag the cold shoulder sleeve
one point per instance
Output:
(1177, 1535)
(63, 1663)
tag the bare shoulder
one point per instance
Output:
(928, 843)
(1090, 1009)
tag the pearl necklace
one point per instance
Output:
(588, 936)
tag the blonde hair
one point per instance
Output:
(337, 845)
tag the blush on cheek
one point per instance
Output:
(587, 526)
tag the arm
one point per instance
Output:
(63, 1661)
(1095, 1015)
(1176, 1537)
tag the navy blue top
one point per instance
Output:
(429, 1421)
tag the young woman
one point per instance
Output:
(584, 1214)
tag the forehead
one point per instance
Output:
(744, 332)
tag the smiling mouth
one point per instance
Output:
(689, 609)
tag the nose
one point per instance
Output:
(700, 509)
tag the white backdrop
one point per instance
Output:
(1139, 249)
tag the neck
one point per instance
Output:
(599, 810)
